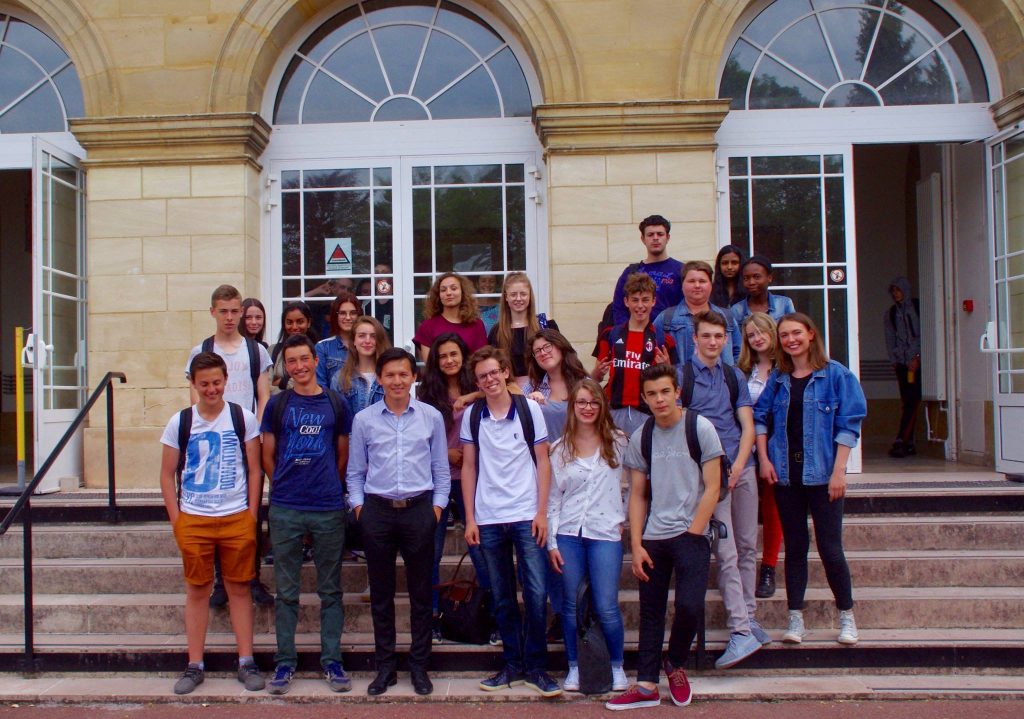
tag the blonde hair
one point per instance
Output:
(351, 366)
(468, 309)
(748, 355)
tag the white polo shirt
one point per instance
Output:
(506, 477)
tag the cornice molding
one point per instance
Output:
(1009, 110)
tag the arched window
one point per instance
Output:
(852, 53)
(378, 61)
(39, 87)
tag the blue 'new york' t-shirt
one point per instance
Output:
(306, 470)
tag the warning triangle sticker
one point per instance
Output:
(338, 255)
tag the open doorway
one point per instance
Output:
(920, 215)
(15, 311)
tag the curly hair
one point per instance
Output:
(468, 309)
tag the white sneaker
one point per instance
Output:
(796, 631)
(619, 681)
(572, 680)
(847, 627)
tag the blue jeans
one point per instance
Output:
(525, 648)
(439, 536)
(601, 560)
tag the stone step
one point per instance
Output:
(861, 532)
(877, 608)
(919, 568)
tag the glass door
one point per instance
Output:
(59, 307)
(1005, 336)
(797, 210)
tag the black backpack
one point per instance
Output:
(594, 660)
(185, 433)
(522, 411)
(254, 361)
(692, 443)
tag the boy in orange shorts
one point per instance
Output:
(210, 477)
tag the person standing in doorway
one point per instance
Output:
(903, 343)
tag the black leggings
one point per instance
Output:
(910, 398)
(794, 502)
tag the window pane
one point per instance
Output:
(739, 166)
(70, 90)
(473, 96)
(737, 74)
(65, 231)
(382, 177)
(787, 219)
(401, 108)
(796, 276)
(833, 164)
(444, 60)
(328, 35)
(967, 70)
(835, 219)
(421, 175)
(336, 214)
(289, 179)
(400, 47)
(290, 234)
(774, 18)
(896, 46)
(329, 101)
(786, 165)
(355, 63)
(513, 173)
(851, 95)
(422, 230)
(289, 96)
(467, 174)
(927, 83)
(383, 224)
(774, 87)
(803, 47)
(515, 93)
(468, 229)
(35, 44)
(850, 33)
(39, 112)
(336, 178)
(838, 343)
(19, 74)
(810, 302)
(739, 214)
(465, 25)
(515, 209)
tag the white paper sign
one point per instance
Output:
(337, 256)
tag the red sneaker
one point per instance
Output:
(636, 697)
(678, 685)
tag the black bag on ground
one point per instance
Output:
(595, 663)
(462, 606)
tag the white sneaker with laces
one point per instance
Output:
(619, 681)
(847, 627)
(572, 680)
(796, 631)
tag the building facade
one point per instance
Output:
(285, 146)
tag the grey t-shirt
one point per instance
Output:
(676, 481)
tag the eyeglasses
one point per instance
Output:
(348, 313)
(488, 375)
(588, 404)
(543, 350)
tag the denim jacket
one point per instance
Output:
(360, 394)
(834, 407)
(331, 354)
(680, 326)
(778, 307)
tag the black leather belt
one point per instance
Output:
(400, 503)
(797, 457)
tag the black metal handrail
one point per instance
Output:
(23, 506)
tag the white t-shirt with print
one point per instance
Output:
(213, 481)
(239, 388)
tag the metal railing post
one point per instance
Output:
(26, 534)
(113, 514)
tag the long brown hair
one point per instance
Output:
(332, 319)
(468, 309)
(351, 365)
(572, 368)
(605, 427)
(765, 323)
(503, 333)
(817, 357)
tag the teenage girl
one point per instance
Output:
(450, 307)
(727, 286)
(332, 351)
(296, 318)
(757, 360)
(445, 380)
(517, 322)
(815, 407)
(585, 520)
(757, 278)
(554, 370)
(254, 320)
(356, 381)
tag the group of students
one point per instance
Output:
(710, 415)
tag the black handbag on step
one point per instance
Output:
(595, 663)
(462, 607)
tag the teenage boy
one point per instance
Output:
(398, 483)
(665, 271)
(213, 509)
(305, 451)
(627, 349)
(247, 386)
(672, 537)
(725, 402)
(506, 476)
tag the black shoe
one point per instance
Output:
(268, 558)
(421, 683)
(381, 682)
(555, 634)
(260, 596)
(218, 598)
(766, 583)
(898, 450)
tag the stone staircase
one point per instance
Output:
(932, 590)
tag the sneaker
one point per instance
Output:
(218, 597)
(759, 633)
(739, 648)
(619, 681)
(192, 678)
(495, 640)
(282, 680)
(678, 685)
(765, 583)
(572, 680)
(504, 679)
(847, 627)
(435, 636)
(249, 675)
(543, 684)
(796, 631)
(260, 596)
(336, 678)
(635, 697)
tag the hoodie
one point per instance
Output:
(902, 326)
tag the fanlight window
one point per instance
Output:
(380, 61)
(39, 88)
(852, 53)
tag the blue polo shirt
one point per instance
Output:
(711, 400)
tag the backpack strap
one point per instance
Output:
(254, 367)
(647, 442)
(697, 454)
(184, 432)
(207, 345)
(475, 413)
(340, 410)
(277, 416)
(669, 313)
(732, 383)
(526, 420)
(238, 423)
(686, 380)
